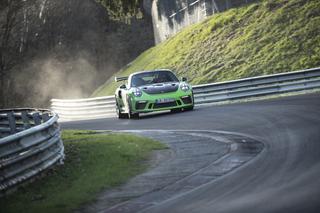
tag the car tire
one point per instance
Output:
(119, 113)
(176, 110)
(132, 115)
(189, 108)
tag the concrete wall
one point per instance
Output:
(170, 16)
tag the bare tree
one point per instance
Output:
(9, 10)
(62, 33)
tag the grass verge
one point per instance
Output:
(94, 162)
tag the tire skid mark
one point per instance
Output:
(195, 158)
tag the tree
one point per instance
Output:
(9, 12)
(62, 48)
(123, 9)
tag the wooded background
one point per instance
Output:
(66, 48)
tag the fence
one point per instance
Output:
(29, 144)
(205, 93)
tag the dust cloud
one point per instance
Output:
(71, 79)
(52, 78)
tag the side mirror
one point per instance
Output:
(183, 79)
(123, 86)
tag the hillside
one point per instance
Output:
(268, 37)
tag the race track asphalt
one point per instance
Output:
(285, 177)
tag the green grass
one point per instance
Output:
(267, 37)
(93, 162)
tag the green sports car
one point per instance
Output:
(150, 91)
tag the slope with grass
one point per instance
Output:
(267, 37)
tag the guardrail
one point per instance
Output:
(258, 86)
(89, 108)
(29, 144)
(206, 93)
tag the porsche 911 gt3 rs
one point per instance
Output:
(150, 91)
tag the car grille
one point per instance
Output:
(164, 105)
(186, 100)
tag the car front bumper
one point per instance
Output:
(160, 102)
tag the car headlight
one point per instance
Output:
(184, 87)
(137, 92)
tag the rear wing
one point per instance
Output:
(117, 79)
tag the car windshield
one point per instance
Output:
(152, 78)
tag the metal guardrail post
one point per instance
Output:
(36, 118)
(25, 120)
(45, 117)
(12, 122)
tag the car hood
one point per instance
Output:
(160, 88)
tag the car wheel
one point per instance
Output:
(119, 113)
(189, 108)
(176, 110)
(132, 115)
